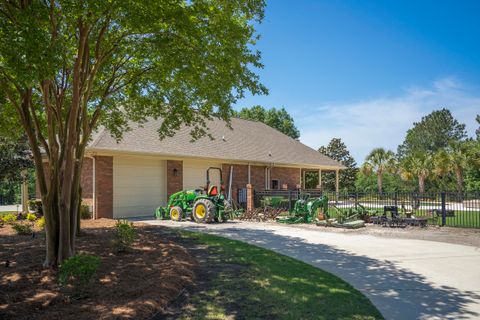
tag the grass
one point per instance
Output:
(262, 284)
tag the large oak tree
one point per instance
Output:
(68, 66)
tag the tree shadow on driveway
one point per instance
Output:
(398, 293)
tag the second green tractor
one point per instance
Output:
(203, 205)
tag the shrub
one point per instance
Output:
(125, 235)
(36, 205)
(77, 272)
(85, 212)
(31, 217)
(22, 228)
(9, 218)
(41, 223)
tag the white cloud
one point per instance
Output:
(383, 122)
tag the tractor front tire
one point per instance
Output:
(204, 211)
(176, 213)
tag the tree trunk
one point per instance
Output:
(60, 216)
(421, 184)
(459, 178)
(380, 182)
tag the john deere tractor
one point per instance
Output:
(203, 205)
(307, 210)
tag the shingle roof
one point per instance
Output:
(249, 141)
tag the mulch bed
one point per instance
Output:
(138, 284)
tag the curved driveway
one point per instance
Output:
(405, 279)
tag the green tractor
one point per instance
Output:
(307, 210)
(201, 205)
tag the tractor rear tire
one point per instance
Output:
(176, 213)
(204, 211)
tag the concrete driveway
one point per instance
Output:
(405, 279)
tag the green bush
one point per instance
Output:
(41, 223)
(125, 235)
(31, 217)
(22, 228)
(9, 218)
(77, 272)
(85, 212)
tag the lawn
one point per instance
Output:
(254, 283)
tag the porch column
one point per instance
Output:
(337, 182)
(250, 198)
(320, 179)
(303, 184)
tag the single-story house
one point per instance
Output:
(137, 174)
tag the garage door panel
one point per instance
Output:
(195, 173)
(139, 186)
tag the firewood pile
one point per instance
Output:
(261, 214)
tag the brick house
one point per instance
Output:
(136, 175)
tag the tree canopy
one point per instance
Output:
(433, 132)
(67, 67)
(279, 119)
(337, 150)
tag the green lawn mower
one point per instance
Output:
(201, 205)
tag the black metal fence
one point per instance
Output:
(441, 208)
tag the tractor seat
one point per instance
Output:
(213, 191)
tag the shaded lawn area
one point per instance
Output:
(248, 282)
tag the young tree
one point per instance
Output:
(454, 158)
(337, 150)
(67, 67)
(15, 157)
(434, 132)
(279, 119)
(379, 161)
(420, 166)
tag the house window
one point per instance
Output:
(275, 184)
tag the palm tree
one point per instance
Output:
(379, 161)
(454, 158)
(418, 165)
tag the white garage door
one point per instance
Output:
(139, 186)
(195, 173)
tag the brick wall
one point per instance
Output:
(174, 182)
(289, 176)
(240, 178)
(104, 186)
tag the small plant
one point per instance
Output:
(125, 235)
(31, 217)
(22, 228)
(85, 212)
(41, 223)
(9, 218)
(77, 272)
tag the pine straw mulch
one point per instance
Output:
(136, 284)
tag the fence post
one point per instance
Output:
(444, 212)
(396, 199)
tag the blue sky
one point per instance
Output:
(364, 71)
